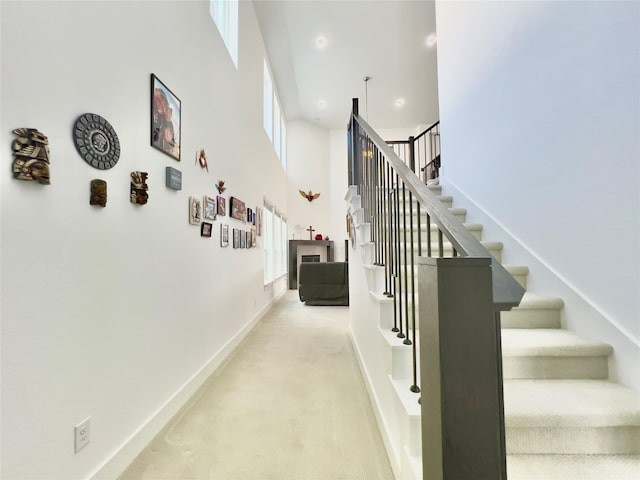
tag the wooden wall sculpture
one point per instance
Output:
(31, 156)
(98, 193)
(139, 187)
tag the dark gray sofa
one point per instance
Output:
(325, 283)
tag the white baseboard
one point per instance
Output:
(116, 464)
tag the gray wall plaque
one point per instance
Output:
(174, 178)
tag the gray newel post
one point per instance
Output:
(460, 371)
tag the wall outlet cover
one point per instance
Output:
(82, 434)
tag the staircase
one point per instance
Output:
(564, 418)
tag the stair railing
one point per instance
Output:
(421, 153)
(398, 206)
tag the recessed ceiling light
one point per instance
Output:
(399, 102)
(431, 40)
(321, 42)
(322, 104)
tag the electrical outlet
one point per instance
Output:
(82, 434)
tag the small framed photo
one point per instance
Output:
(254, 236)
(205, 229)
(236, 238)
(195, 211)
(238, 209)
(209, 208)
(222, 205)
(243, 239)
(224, 235)
(249, 215)
(253, 220)
(165, 119)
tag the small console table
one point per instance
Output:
(293, 257)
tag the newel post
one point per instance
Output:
(460, 371)
(412, 155)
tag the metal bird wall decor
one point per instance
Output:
(220, 186)
(309, 196)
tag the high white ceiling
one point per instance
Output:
(385, 40)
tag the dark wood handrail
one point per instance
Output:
(428, 129)
(507, 292)
(406, 142)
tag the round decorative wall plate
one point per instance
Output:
(96, 141)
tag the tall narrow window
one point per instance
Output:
(268, 102)
(275, 243)
(283, 247)
(225, 15)
(276, 127)
(268, 244)
(273, 118)
(277, 246)
(283, 146)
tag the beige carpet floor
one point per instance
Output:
(290, 404)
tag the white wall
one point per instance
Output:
(108, 313)
(540, 111)
(308, 169)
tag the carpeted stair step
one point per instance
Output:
(494, 248)
(573, 467)
(519, 272)
(474, 228)
(435, 189)
(459, 213)
(446, 200)
(552, 354)
(571, 416)
(534, 311)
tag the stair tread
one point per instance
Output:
(392, 338)
(534, 301)
(407, 397)
(488, 244)
(434, 226)
(517, 269)
(381, 298)
(569, 403)
(371, 266)
(573, 467)
(550, 342)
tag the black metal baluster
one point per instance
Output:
(365, 184)
(394, 277)
(399, 282)
(414, 388)
(440, 244)
(387, 218)
(419, 231)
(405, 263)
(428, 235)
(380, 198)
(374, 205)
(370, 194)
(409, 266)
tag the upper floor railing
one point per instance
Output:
(421, 153)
